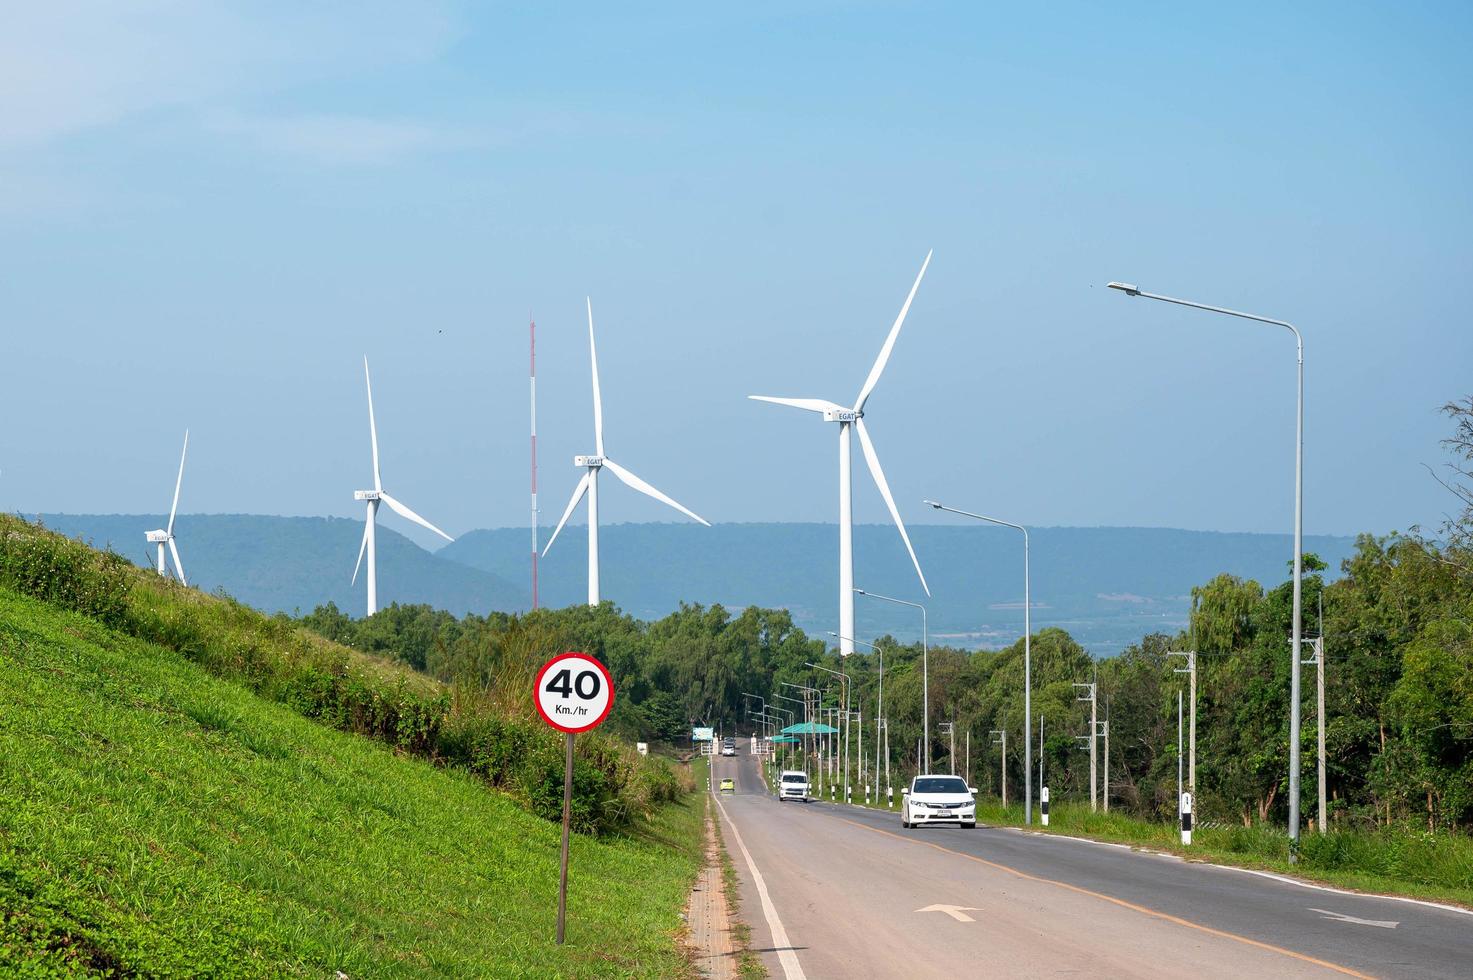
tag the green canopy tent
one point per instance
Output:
(810, 728)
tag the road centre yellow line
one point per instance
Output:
(1118, 901)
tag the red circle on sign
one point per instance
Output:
(585, 658)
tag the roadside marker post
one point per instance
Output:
(1186, 818)
(1043, 804)
(573, 693)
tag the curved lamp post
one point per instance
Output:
(1130, 289)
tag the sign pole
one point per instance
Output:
(573, 693)
(562, 891)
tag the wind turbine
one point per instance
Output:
(853, 418)
(372, 497)
(165, 536)
(589, 483)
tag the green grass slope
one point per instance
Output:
(156, 820)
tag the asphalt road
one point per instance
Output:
(835, 891)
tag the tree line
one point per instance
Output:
(1397, 629)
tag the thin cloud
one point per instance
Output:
(337, 139)
(68, 66)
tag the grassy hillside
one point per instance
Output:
(291, 564)
(487, 728)
(155, 819)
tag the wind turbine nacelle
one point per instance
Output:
(157, 537)
(592, 462)
(842, 415)
(365, 494)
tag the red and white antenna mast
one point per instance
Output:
(534, 460)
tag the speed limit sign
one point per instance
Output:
(574, 693)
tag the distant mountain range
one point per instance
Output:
(1107, 586)
(290, 564)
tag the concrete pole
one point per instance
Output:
(1192, 735)
(1094, 737)
(1003, 763)
(1106, 787)
(1319, 656)
(969, 757)
(1178, 754)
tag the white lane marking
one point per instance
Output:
(957, 912)
(792, 969)
(1342, 917)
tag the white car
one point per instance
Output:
(938, 800)
(793, 785)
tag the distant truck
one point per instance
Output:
(793, 785)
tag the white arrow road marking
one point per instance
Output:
(1342, 917)
(957, 912)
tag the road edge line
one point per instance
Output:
(1286, 879)
(1165, 916)
(1259, 872)
(786, 955)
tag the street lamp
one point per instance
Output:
(879, 710)
(845, 678)
(925, 669)
(1027, 656)
(1133, 290)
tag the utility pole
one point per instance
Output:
(1191, 670)
(1040, 753)
(1319, 656)
(1094, 731)
(1003, 766)
(534, 462)
(1106, 727)
(1318, 659)
(948, 729)
(969, 757)
(1178, 755)
(889, 787)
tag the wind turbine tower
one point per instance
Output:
(165, 536)
(589, 483)
(852, 419)
(371, 498)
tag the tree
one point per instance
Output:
(1459, 527)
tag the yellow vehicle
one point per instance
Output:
(728, 786)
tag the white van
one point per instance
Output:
(793, 785)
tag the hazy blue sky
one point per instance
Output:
(209, 212)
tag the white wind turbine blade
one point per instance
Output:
(578, 493)
(878, 369)
(361, 549)
(410, 515)
(178, 565)
(811, 404)
(177, 482)
(644, 488)
(378, 483)
(598, 402)
(873, 460)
